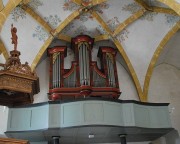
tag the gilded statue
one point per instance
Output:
(14, 36)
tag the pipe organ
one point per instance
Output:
(84, 78)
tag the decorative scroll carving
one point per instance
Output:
(84, 78)
(18, 83)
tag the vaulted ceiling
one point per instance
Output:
(145, 32)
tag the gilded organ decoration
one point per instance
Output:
(84, 78)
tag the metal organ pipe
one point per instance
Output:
(87, 66)
(56, 71)
(110, 68)
(81, 65)
(59, 70)
(84, 64)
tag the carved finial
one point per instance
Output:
(14, 36)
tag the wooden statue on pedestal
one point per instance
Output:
(18, 83)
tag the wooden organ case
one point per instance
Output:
(84, 78)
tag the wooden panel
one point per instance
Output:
(39, 118)
(93, 112)
(128, 114)
(141, 115)
(12, 141)
(71, 114)
(159, 117)
(19, 119)
(54, 116)
(113, 113)
(88, 112)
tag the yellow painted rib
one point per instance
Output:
(41, 52)
(101, 21)
(156, 9)
(64, 37)
(78, 2)
(172, 4)
(6, 11)
(96, 2)
(3, 50)
(128, 21)
(164, 10)
(123, 53)
(101, 37)
(26, 1)
(1, 5)
(132, 71)
(156, 56)
(68, 20)
(37, 18)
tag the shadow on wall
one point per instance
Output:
(170, 138)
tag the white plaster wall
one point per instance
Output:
(126, 84)
(165, 87)
(42, 71)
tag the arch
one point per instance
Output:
(123, 53)
(172, 4)
(6, 11)
(68, 20)
(3, 50)
(156, 55)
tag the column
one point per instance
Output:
(55, 139)
(123, 139)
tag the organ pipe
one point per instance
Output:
(84, 64)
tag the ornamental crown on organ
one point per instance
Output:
(84, 78)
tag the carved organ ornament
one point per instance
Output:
(18, 83)
(84, 78)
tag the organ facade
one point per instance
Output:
(84, 78)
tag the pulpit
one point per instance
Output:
(18, 83)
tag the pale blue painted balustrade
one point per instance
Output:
(39, 122)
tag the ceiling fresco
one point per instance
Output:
(135, 27)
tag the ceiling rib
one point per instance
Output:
(64, 37)
(43, 23)
(101, 37)
(78, 2)
(1, 5)
(6, 11)
(41, 52)
(128, 21)
(155, 9)
(172, 4)
(55, 32)
(3, 50)
(36, 17)
(123, 53)
(96, 2)
(25, 1)
(156, 55)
